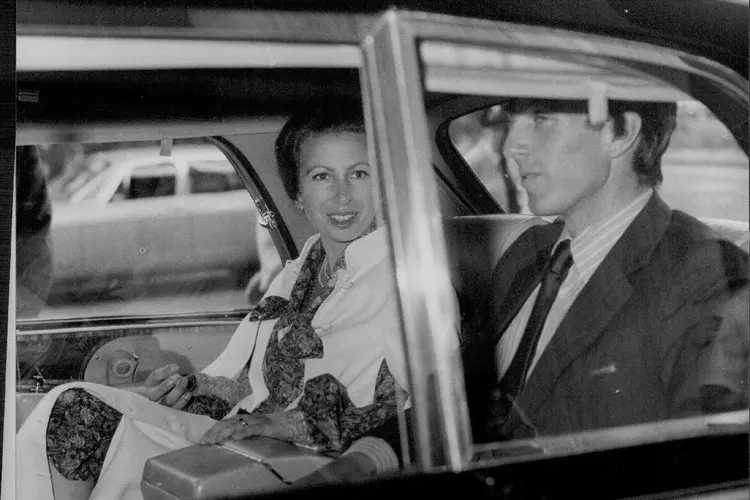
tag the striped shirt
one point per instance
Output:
(588, 249)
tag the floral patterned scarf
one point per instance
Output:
(284, 363)
(325, 417)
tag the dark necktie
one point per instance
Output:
(555, 273)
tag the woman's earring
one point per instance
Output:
(299, 206)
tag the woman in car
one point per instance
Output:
(318, 362)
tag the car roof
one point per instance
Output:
(716, 29)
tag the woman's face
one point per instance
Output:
(335, 186)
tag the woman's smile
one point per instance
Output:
(342, 220)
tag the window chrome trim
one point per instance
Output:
(65, 53)
(429, 312)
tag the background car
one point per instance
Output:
(153, 218)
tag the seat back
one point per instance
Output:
(474, 245)
(737, 232)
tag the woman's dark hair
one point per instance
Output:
(315, 118)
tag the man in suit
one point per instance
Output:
(605, 317)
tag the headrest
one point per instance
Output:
(474, 245)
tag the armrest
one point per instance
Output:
(234, 469)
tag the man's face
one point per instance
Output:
(560, 157)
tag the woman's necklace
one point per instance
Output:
(324, 272)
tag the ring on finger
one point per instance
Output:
(242, 422)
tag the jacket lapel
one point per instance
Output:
(510, 295)
(606, 293)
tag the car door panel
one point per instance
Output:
(129, 360)
(54, 352)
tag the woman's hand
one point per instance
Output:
(166, 386)
(239, 427)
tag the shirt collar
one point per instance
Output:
(595, 241)
(367, 250)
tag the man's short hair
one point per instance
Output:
(658, 121)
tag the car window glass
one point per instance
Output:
(114, 252)
(579, 376)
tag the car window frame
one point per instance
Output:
(245, 170)
(397, 89)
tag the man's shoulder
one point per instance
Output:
(702, 261)
(693, 230)
(692, 239)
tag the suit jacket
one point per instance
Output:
(629, 349)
